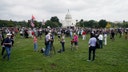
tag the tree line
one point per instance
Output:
(100, 24)
(55, 22)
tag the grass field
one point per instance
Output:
(112, 58)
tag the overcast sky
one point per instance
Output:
(110, 10)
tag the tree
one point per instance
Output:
(92, 23)
(86, 24)
(36, 23)
(108, 25)
(102, 23)
(6, 23)
(54, 19)
(125, 24)
(54, 22)
(81, 23)
(10, 23)
(48, 23)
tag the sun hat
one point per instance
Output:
(9, 34)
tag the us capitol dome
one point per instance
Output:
(68, 22)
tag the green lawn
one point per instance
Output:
(112, 58)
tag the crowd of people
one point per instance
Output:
(98, 38)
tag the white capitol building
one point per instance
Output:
(68, 22)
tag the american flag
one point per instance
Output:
(33, 17)
(32, 21)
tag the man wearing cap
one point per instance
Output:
(47, 44)
(7, 44)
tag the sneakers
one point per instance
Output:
(59, 51)
(88, 60)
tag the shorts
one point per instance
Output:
(76, 43)
(58, 36)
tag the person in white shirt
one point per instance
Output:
(100, 37)
(105, 38)
(62, 41)
(47, 44)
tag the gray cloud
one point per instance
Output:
(115, 10)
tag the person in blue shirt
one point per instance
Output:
(92, 47)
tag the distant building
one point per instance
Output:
(118, 21)
(68, 22)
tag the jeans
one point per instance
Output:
(63, 48)
(101, 43)
(83, 37)
(35, 46)
(91, 48)
(8, 52)
(47, 50)
(71, 35)
(105, 41)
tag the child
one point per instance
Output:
(72, 41)
(35, 42)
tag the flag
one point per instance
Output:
(32, 21)
(32, 24)
(43, 23)
(33, 17)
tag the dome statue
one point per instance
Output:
(68, 20)
(68, 16)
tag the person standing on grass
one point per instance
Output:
(47, 44)
(105, 38)
(7, 44)
(62, 41)
(92, 47)
(83, 35)
(100, 37)
(52, 42)
(75, 38)
(35, 42)
(1, 37)
(59, 34)
(71, 31)
(112, 35)
(126, 34)
(12, 38)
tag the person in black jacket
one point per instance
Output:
(7, 43)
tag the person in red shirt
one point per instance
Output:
(35, 42)
(83, 35)
(33, 33)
